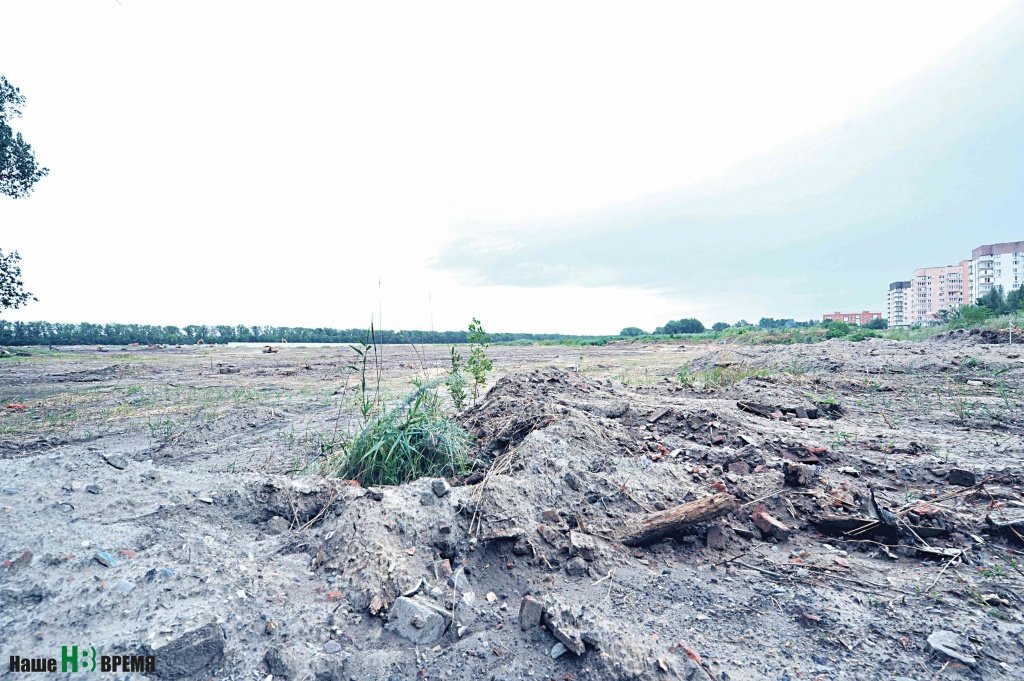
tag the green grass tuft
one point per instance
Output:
(411, 440)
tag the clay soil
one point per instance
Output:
(157, 501)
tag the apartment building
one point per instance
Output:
(996, 265)
(857, 318)
(937, 289)
(933, 290)
(897, 304)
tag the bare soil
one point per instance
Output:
(150, 502)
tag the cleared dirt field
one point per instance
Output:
(150, 503)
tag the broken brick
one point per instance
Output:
(770, 526)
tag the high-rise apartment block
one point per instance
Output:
(897, 304)
(938, 289)
(933, 291)
(996, 265)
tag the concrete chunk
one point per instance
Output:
(530, 612)
(416, 620)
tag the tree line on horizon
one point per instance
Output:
(689, 325)
(54, 333)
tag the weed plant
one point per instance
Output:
(397, 444)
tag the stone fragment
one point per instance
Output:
(332, 647)
(416, 620)
(951, 645)
(105, 559)
(440, 488)
(530, 612)
(583, 545)
(577, 567)
(570, 638)
(458, 579)
(716, 537)
(558, 650)
(568, 634)
(277, 525)
(739, 468)
(797, 474)
(616, 410)
(279, 665)
(22, 561)
(123, 586)
(194, 654)
(442, 569)
(961, 477)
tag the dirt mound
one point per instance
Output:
(983, 336)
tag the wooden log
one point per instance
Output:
(654, 526)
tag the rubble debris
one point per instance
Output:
(797, 474)
(616, 410)
(583, 545)
(440, 488)
(1008, 522)
(961, 477)
(951, 645)
(417, 620)
(115, 460)
(279, 664)
(531, 610)
(655, 526)
(560, 501)
(105, 559)
(195, 654)
(762, 410)
(458, 580)
(568, 634)
(716, 538)
(856, 527)
(769, 525)
(660, 414)
(576, 567)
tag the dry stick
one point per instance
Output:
(500, 465)
(729, 560)
(906, 508)
(766, 496)
(335, 493)
(939, 673)
(939, 576)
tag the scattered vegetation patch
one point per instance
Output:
(719, 376)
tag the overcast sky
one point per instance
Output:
(569, 167)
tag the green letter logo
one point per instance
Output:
(69, 659)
